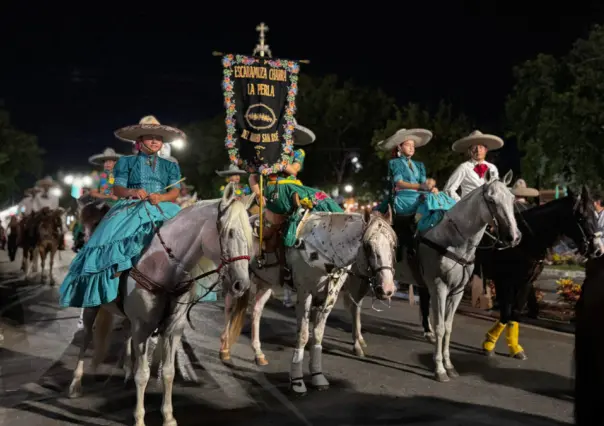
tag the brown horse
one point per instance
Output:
(27, 235)
(48, 238)
(91, 215)
(14, 229)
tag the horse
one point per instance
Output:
(48, 239)
(158, 291)
(13, 237)
(514, 270)
(589, 347)
(27, 242)
(91, 215)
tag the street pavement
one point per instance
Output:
(392, 386)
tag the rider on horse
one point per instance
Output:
(185, 198)
(233, 175)
(117, 242)
(104, 187)
(286, 198)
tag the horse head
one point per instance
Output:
(498, 209)
(236, 242)
(583, 227)
(379, 245)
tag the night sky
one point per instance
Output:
(72, 76)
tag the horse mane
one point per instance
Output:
(236, 217)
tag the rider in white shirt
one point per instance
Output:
(26, 205)
(44, 198)
(471, 174)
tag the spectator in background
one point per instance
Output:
(598, 204)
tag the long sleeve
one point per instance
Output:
(120, 172)
(494, 171)
(422, 172)
(173, 175)
(454, 183)
(394, 172)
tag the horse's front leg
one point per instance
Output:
(451, 307)
(33, 258)
(128, 360)
(169, 344)
(357, 289)
(51, 266)
(296, 375)
(318, 379)
(262, 296)
(438, 296)
(424, 309)
(75, 388)
(225, 350)
(140, 346)
(42, 252)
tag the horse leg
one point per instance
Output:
(128, 360)
(75, 388)
(42, 253)
(52, 262)
(33, 258)
(140, 346)
(262, 296)
(451, 307)
(424, 309)
(353, 298)
(170, 341)
(438, 296)
(296, 375)
(505, 311)
(318, 380)
(225, 350)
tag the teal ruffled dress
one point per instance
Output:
(118, 241)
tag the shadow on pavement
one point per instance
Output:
(534, 381)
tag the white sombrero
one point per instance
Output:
(108, 154)
(149, 125)
(232, 170)
(47, 182)
(421, 137)
(520, 189)
(303, 135)
(492, 142)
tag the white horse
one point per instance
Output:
(163, 291)
(446, 254)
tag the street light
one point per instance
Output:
(86, 181)
(348, 188)
(178, 144)
(354, 160)
(56, 192)
(68, 179)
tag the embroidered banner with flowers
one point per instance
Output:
(260, 102)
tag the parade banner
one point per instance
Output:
(260, 103)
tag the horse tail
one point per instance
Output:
(103, 325)
(238, 317)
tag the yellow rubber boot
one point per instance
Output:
(492, 336)
(516, 351)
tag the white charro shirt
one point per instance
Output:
(50, 201)
(467, 179)
(26, 206)
(600, 218)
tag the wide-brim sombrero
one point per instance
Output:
(47, 182)
(492, 142)
(232, 170)
(421, 137)
(108, 154)
(149, 125)
(520, 189)
(303, 135)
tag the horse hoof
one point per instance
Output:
(521, 356)
(441, 377)
(170, 423)
(225, 355)
(363, 343)
(297, 388)
(261, 361)
(488, 353)
(75, 390)
(358, 351)
(452, 373)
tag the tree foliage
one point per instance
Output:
(20, 157)
(555, 113)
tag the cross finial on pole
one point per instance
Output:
(262, 48)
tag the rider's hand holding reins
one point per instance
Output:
(155, 199)
(139, 193)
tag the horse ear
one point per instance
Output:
(229, 192)
(507, 179)
(366, 215)
(388, 215)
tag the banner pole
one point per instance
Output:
(261, 218)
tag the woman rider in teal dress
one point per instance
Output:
(119, 239)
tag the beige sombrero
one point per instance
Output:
(47, 182)
(231, 171)
(421, 137)
(520, 189)
(492, 142)
(108, 154)
(303, 135)
(149, 125)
